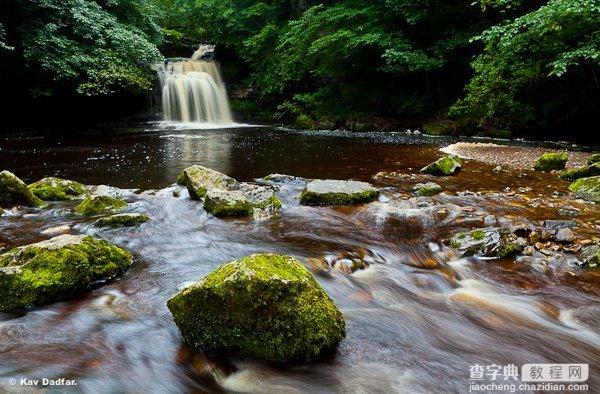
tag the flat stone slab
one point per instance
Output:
(324, 192)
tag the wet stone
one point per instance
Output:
(337, 192)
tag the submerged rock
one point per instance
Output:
(56, 189)
(286, 179)
(123, 220)
(447, 165)
(427, 189)
(266, 306)
(487, 242)
(559, 224)
(96, 205)
(587, 188)
(324, 192)
(199, 180)
(60, 267)
(551, 161)
(15, 191)
(224, 196)
(581, 172)
(246, 200)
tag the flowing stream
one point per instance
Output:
(418, 317)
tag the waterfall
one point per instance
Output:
(192, 90)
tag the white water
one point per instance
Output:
(193, 91)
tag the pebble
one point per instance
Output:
(564, 235)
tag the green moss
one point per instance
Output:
(478, 235)
(123, 220)
(95, 205)
(442, 127)
(593, 159)
(38, 274)
(265, 306)
(359, 127)
(222, 207)
(509, 249)
(304, 122)
(56, 189)
(581, 172)
(322, 199)
(447, 165)
(587, 188)
(551, 161)
(15, 191)
(182, 179)
(427, 189)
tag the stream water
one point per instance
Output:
(418, 316)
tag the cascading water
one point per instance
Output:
(192, 90)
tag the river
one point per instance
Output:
(418, 317)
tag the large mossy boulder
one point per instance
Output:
(57, 189)
(99, 204)
(265, 306)
(14, 191)
(199, 180)
(123, 220)
(487, 242)
(587, 188)
(581, 172)
(551, 161)
(447, 165)
(322, 192)
(60, 267)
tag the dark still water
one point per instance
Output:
(418, 317)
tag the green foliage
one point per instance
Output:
(87, 47)
(537, 68)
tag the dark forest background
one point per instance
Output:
(490, 67)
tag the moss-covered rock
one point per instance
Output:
(590, 256)
(199, 180)
(15, 191)
(304, 122)
(447, 165)
(581, 172)
(486, 242)
(123, 220)
(587, 188)
(224, 196)
(359, 127)
(324, 192)
(56, 189)
(265, 306)
(96, 205)
(551, 161)
(593, 159)
(427, 189)
(246, 200)
(63, 266)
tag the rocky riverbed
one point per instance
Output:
(495, 266)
